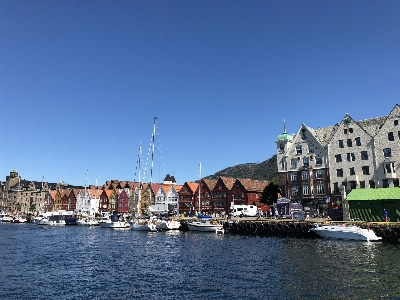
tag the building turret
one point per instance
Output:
(283, 142)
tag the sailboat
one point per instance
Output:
(204, 223)
(138, 223)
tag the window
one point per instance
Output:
(281, 146)
(304, 175)
(353, 185)
(352, 172)
(396, 122)
(306, 189)
(364, 155)
(353, 157)
(362, 184)
(365, 170)
(320, 189)
(390, 136)
(293, 163)
(341, 145)
(349, 143)
(306, 161)
(345, 131)
(387, 168)
(339, 172)
(372, 184)
(351, 130)
(320, 174)
(387, 152)
(311, 148)
(385, 183)
(293, 176)
(336, 188)
(396, 182)
(358, 141)
(295, 190)
(338, 157)
(298, 150)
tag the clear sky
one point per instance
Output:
(81, 81)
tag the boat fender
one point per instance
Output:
(244, 225)
(262, 227)
(214, 222)
(298, 227)
(279, 226)
(286, 228)
(304, 228)
(387, 232)
(397, 230)
(292, 227)
(266, 226)
(272, 227)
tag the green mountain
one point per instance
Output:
(266, 170)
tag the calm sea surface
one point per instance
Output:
(98, 263)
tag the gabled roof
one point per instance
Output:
(193, 186)
(228, 181)
(253, 185)
(374, 194)
(372, 126)
(210, 184)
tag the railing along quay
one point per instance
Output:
(390, 232)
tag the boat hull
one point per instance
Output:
(346, 233)
(119, 224)
(204, 226)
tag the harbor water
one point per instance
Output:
(71, 262)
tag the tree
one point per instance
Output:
(270, 193)
(32, 207)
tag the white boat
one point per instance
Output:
(87, 221)
(19, 220)
(144, 225)
(345, 232)
(51, 219)
(37, 219)
(5, 218)
(114, 221)
(207, 225)
(168, 224)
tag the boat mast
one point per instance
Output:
(140, 184)
(152, 156)
(199, 189)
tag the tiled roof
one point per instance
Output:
(193, 186)
(253, 185)
(209, 182)
(374, 194)
(228, 181)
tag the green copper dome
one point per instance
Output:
(14, 170)
(284, 137)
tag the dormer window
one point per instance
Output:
(311, 148)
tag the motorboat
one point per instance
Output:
(51, 219)
(87, 221)
(37, 219)
(19, 220)
(168, 224)
(114, 221)
(144, 225)
(5, 218)
(344, 232)
(208, 225)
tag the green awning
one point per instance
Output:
(374, 194)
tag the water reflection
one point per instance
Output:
(90, 263)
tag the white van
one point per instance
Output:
(244, 211)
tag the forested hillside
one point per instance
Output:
(266, 170)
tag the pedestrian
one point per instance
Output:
(276, 213)
(385, 215)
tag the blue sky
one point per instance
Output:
(81, 81)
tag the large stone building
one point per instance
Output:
(321, 164)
